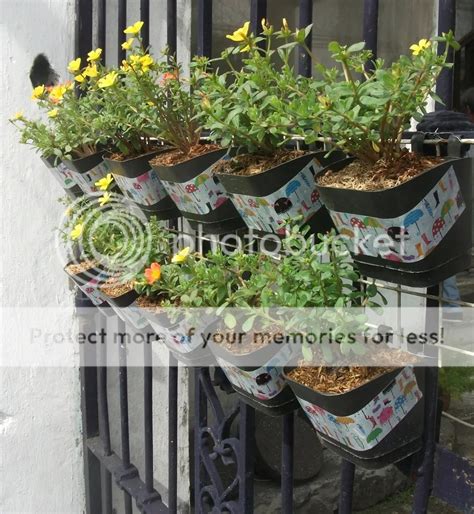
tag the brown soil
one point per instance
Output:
(120, 157)
(252, 341)
(75, 268)
(174, 157)
(337, 380)
(382, 175)
(249, 164)
(113, 289)
(151, 304)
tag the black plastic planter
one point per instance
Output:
(199, 195)
(416, 234)
(373, 425)
(187, 348)
(140, 183)
(89, 282)
(127, 310)
(262, 387)
(266, 199)
(87, 171)
(64, 176)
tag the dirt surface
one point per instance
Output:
(249, 164)
(174, 157)
(335, 380)
(114, 289)
(382, 175)
(76, 268)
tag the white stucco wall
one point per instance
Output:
(41, 468)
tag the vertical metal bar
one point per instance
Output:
(446, 22)
(83, 30)
(172, 35)
(121, 26)
(124, 426)
(145, 17)
(287, 464)
(370, 30)
(258, 10)
(246, 457)
(90, 420)
(305, 19)
(148, 415)
(200, 406)
(104, 429)
(173, 435)
(106, 486)
(204, 30)
(102, 26)
(347, 487)
(424, 482)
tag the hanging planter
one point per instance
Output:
(417, 233)
(199, 195)
(187, 347)
(266, 199)
(122, 299)
(63, 175)
(89, 277)
(140, 183)
(86, 171)
(263, 387)
(373, 425)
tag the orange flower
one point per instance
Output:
(153, 273)
(168, 76)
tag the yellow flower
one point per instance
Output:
(18, 115)
(240, 34)
(284, 24)
(79, 78)
(125, 66)
(146, 61)
(104, 183)
(76, 232)
(91, 71)
(53, 113)
(135, 28)
(56, 94)
(135, 59)
(180, 256)
(68, 211)
(105, 198)
(108, 80)
(423, 44)
(94, 55)
(74, 65)
(128, 44)
(38, 92)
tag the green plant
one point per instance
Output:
(37, 134)
(456, 380)
(250, 106)
(365, 114)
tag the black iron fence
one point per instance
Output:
(216, 441)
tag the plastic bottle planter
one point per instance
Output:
(199, 195)
(127, 310)
(376, 424)
(140, 183)
(87, 171)
(63, 175)
(416, 234)
(262, 387)
(186, 347)
(89, 282)
(265, 199)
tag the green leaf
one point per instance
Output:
(356, 47)
(230, 320)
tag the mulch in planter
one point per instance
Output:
(416, 233)
(173, 157)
